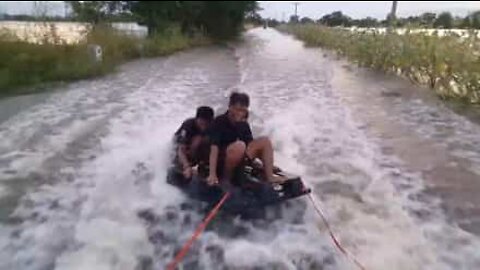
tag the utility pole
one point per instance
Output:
(296, 4)
(65, 9)
(40, 9)
(393, 14)
(35, 8)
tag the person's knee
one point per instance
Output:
(236, 150)
(264, 141)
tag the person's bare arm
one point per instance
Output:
(186, 166)
(182, 155)
(212, 177)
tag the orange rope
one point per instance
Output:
(213, 213)
(198, 231)
(334, 239)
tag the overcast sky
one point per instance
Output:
(315, 10)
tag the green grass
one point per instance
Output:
(25, 66)
(447, 64)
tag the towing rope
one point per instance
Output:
(198, 231)
(334, 239)
(201, 227)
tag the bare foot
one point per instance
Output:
(278, 179)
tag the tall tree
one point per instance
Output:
(272, 22)
(465, 24)
(95, 11)
(336, 18)
(224, 19)
(255, 18)
(306, 20)
(156, 15)
(294, 19)
(393, 13)
(444, 20)
(219, 19)
(428, 18)
(367, 22)
(475, 20)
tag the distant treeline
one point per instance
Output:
(443, 20)
(217, 19)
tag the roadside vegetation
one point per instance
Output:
(444, 20)
(24, 64)
(449, 63)
(172, 26)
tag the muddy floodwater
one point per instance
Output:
(82, 169)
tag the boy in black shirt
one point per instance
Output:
(190, 137)
(232, 141)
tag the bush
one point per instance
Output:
(117, 47)
(171, 41)
(25, 64)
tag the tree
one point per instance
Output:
(306, 20)
(472, 21)
(219, 19)
(224, 19)
(466, 23)
(95, 11)
(336, 19)
(444, 20)
(475, 20)
(186, 13)
(366, 22)
(413, 21)
(392, 16)
(155, 15)
(294, 19)
(272, 22)
(255, 19)
(428, 18)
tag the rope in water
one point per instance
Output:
(196, 234)
(332, 235)
(201, 227)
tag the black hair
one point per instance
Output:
(205, 113)
(239, 98)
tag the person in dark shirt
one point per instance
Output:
(190, 138)
(232, 141)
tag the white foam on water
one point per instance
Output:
(3, 191)
(91, 221)
(314, 132)
(109, 232)
(388, 228)
(39, 133)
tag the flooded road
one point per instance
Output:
(83, 170)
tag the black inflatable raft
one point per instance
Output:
(249, 191)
